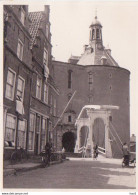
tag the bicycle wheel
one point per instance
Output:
(13, 157)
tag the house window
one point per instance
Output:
(22, 16)
(47, 30)
(20, 87)
(55, 107)
(38, 88)
(10, 129)
(69, 79)
(10, 84)
(31, 131)
(22, 133)
(45, 57)
(45, 93)
(43, 133)
(20, 49)
(69, 119)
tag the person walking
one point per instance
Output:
(48, 150)
(95, 151)
(125, 154)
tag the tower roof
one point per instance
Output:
(95, 22)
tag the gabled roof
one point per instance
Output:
(35, 18)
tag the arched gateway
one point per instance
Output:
(94, 112)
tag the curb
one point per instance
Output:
(10, 171)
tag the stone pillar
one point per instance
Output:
(107, 142)
(77, 146)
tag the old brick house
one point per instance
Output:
(17, 77)
(43, 104)
(97, 80)
(29, 89)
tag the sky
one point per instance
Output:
(70, 21)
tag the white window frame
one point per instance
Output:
(45, 57)
(19, 77)
(37, 95)
(32, 131)
(13, 90)
(8, 114)
(24, 132)
(46, 93)
(22, 19)
(20, 49)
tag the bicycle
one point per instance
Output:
(18, 155)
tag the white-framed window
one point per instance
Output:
(45, 93)
(22, 127)
(45, 57)
(10, 130)
(10, 84)
(20, 87)
(22, 16)
(38, 87)
(31, 131)
(54, 107)
(20, 49)
(47, 30)
(43, 133)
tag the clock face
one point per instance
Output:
(99, 46)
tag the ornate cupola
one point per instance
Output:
(95, 33)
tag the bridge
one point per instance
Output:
(85, 129)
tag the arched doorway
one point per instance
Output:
(98, 136)
(68, 141)
(83, 135)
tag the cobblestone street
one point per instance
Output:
(76, 174)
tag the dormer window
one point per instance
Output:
(22, 16)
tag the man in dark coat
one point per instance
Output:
(48, 150)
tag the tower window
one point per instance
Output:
(69, 96)
(110, 87)
(90, 99)
(69, 118)
(69, 79)
(110, 75)
(90, 81)
(93, 36)
(97, 34)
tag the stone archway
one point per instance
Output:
(98, 135)
(83, 135)
(68, 141)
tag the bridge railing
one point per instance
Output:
(101, 150)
